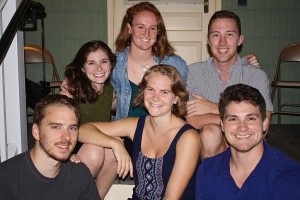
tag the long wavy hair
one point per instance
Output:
(161, 47)
(79, 85)
(177, 87)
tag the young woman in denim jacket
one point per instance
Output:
(142, 42)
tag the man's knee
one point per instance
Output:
(211, 140)
(211, 133)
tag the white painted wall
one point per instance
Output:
(13, 126)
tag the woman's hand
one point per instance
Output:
(252, 60)
(64, 89)
(123, 159)
(75, 158)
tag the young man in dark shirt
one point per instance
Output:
(45, 172)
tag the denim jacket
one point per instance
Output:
(120, 82)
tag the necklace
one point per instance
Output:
(145, 67)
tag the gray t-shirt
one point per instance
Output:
(204, 79)
(20, 180)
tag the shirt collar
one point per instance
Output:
(224, 170)
(239, 62)
(261, 168)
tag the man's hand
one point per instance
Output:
(198, 121)
(200, 106)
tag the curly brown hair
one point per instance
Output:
(162, 46)
(177, 87)
(79, 85)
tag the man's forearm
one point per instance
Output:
(198, 121)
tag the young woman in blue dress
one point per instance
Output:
(165, 147)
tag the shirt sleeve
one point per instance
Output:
(259, 79)
(4, 191)
(177, 62)
(182, 69)
(192, 83)
(89, 188)
(184, 72)
(112, 78)
(264, 88)
(287, 184)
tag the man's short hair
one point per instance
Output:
(54, 99)
(242, 93)
(225, 14)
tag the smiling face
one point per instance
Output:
(243, 126)
(158, 95)
(97, 68)
(224, 39)
(57, 133)
(143, 30)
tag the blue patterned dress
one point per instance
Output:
(151, 175)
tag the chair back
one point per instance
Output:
(290, 53)
(36, 54)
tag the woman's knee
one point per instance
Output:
(110, 158)
(92, 156)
